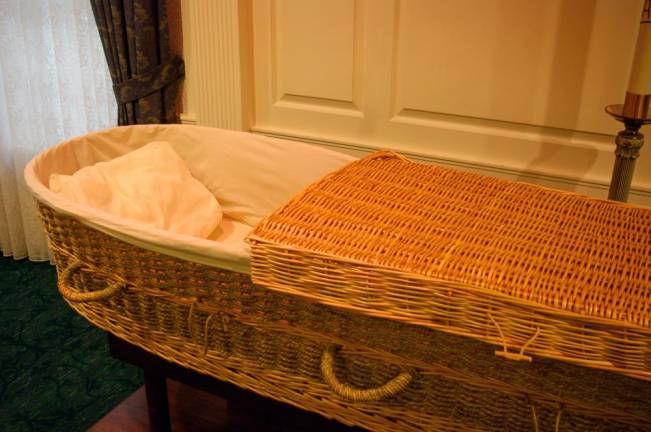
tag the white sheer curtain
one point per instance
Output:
(54, 84)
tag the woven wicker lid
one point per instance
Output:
(557, 249)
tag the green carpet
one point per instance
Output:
(55, 370)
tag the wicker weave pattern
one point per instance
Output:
(527, 268)
(220, 324)
(561, 250)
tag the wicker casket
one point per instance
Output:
(389, 295)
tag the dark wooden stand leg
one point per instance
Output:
(236, 416)
(157, 406)
(629, 142)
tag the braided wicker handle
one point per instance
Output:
(72, 295)
(395, 386)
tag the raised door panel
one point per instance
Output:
(307, 61)
(534, 63)
(314, 49)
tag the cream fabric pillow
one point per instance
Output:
(151, 185)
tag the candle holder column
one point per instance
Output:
(629, 142)
(634, 113)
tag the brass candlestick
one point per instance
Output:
(629, 141)
(634, 113)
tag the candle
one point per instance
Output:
(638, 93)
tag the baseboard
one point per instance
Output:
(188, 119)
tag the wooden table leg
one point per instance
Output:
(157, 406)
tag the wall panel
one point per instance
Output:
(506, 87)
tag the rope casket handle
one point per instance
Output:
(393, 387)
(73, 295)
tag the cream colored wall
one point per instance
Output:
(505, 87)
